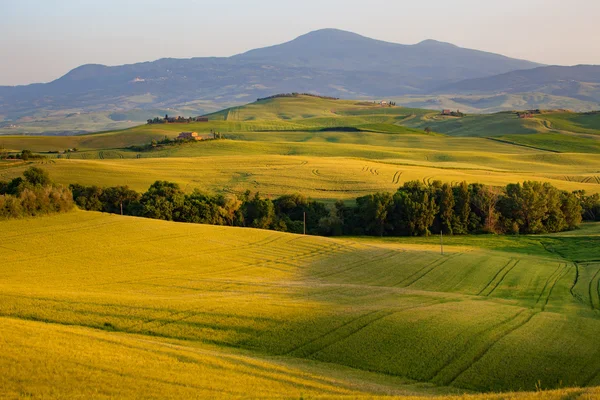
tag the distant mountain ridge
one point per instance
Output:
(580, 82)
(328, 62)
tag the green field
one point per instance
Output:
(97, 305)
(331, 149)
(121, 306)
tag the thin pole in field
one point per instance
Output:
(121, 208)
(442, 242)
(305, 222)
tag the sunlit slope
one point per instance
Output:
(302, 113)
(330, 172)
(475, 318)
(74, 362)
(558, 131)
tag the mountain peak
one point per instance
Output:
(432, 43)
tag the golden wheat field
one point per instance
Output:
(108, 306)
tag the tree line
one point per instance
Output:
(415, 209)
(33, 194)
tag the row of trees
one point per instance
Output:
(24, 155)
(422, 209)
(296, 94)
(415, 209)
(165, 200)
(33, 194)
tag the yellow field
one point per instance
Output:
(332, 171)
(96, 304)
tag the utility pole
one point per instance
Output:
(305, 222)
(121, 208)
(442, 242)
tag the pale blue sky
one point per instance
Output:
(40, 40)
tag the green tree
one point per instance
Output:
(462, 209)
(163, 200)
(446, 204)
(415, 209)
(259, 212)
(37, 176)
(374, 210)
(572, 209)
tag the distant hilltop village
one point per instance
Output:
(176, 120)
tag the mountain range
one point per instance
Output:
(327, 62)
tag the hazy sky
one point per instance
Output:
(41, 40)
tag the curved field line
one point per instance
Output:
(562, 273)
(397, 176)
(481, 354)
(358, 263)
(432, 268)
(495, 276)
(329, 339)
(423, 268)
(331, 331)
(591, 284)
(503, 277)
(316, 172)
(469, 344)
(560, 265)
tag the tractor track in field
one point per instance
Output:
(346, 330)
(562, 273)
(316, 172)
(502, 279)
(396, 177)
(469, 344)
(359, 263)
(297, 351)
(488, 346)
(550, 283)
(572, 288)
(590, 289)
(495, 276)
(427, 268)
(506, 272)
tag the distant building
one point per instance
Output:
(446, 112)
(383, 103)
(201, 119)
(189, 136)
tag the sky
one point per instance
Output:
(41, 40)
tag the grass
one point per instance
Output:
(166, 308)
(322, 169)
(331, 150)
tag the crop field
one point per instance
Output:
(330, 150)
(110, 305)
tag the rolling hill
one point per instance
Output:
(330, 150)
(157, 309)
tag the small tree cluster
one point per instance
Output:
(418, 209)
(33, 194)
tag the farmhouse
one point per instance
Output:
(446, 112)
(201, 119)
(189, 136)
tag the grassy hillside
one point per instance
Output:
(332, 149)
(318, 171)
(492, 314)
